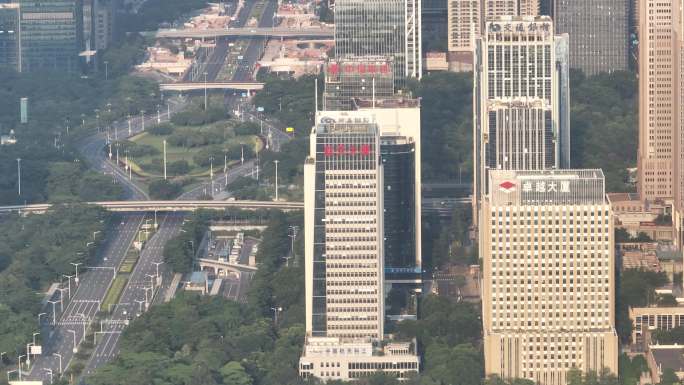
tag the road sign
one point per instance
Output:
(260, 109)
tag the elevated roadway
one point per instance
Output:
(167, 206)
(189, 86)
(246, 32)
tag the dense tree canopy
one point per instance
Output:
(34, 252)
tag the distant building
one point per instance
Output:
(466, 21)
(51, 35)
(598, 30)
(521, 99)
(648, 319)
(356, 77)
(663, 357)
(548, 289)
(434, 24)
(389, 28)
(344, 255)
(10, 36)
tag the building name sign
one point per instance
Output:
(343, 149)
(538, 186)
(360, 68)
(520, 27)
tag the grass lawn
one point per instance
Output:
(115, 291)
(174, 153)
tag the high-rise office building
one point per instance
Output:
(598, 30)
(364, 86)
(466, 20)
(344, 255)
(521, 98)
(389, 28)
(659, 155)
(546, 241)
(434, 24)
(10, 36)
(51, 35)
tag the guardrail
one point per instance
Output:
(146, 206)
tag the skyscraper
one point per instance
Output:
(344, 255)
(521, 99)
(546, 241)
(598, 32)
(51, 37)
(389, 28)
(363, 86)
(10, 36)
(659, 155)
(467, 18)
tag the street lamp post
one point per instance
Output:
(61, 298)
(19, 176)
(275, 313)
(276, 179)
(106, 63)
(211, 174)
(73, 333)
(164, 159)
(129, 125)
(49, 372)
(85, 320)
(39, 315)
(142, 119)
(76, 266)
(60, 361)
(68, 277)
(158, 114)
(54, 312)
(157, 266)
(20, 366)
(205, 90)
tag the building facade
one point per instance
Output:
(10, 36)
(546, 240)
(51, 35)
(659, 95)
(599, 33)
(344, 255)
(389, 28)
(356, 77)
(521, 99)
(466, 21)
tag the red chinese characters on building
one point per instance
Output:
(361, 68)
(343, 149)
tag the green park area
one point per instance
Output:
(195, 140)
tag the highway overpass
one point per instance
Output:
(247, 32)
(242, 86)
(442, 206)
(167, 206)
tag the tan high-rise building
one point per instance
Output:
(546, 241)
(660, 42)
(466, 20)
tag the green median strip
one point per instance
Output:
(112, 297)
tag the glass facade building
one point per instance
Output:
(398, 161)
(389, 28)
(51, 37)
(10, 36)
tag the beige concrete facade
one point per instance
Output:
(546, 239)
(660, 139)
(466, 20)
(645, 319)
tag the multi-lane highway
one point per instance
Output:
(85, 300)
(137, 294)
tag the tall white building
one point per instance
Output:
(546, 240)
(344, 254)
(521, 99)
(466, 19)
(389, 28)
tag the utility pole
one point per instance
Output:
(19, 175)
(276, 179)
(205, 90)
(129, 124)
(158, 114)
(142, 119)
(211, 174)
(242, 155)
(164, 159)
